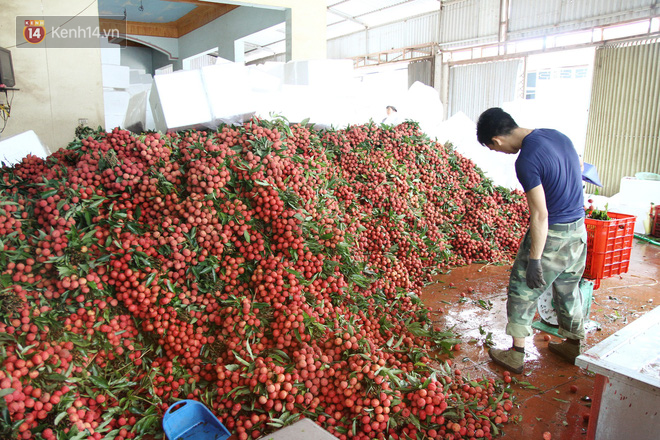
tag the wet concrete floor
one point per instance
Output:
(472, 301)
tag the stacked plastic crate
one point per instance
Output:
(609, 244)
(655, 221)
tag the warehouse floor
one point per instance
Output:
(543, 392)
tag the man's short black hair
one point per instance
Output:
(494, 122)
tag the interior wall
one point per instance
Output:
(159, 59)
(57, 86)
(138, 58)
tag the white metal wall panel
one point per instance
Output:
(531, 18)
(469, 22)
(412, 32)
(348, 46)
(475, 87)
(623, 131)
(421, 71)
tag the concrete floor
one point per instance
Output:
(544, 399)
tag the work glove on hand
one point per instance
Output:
(534, 275)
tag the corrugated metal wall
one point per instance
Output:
(412, 32)
(531, 18)
(421, 71)
(623, 131)
(474, 22)
(469, 22)
(475, 87)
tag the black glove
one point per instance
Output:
(534, 275)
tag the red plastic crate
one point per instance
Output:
(609, 243)
(655, 219)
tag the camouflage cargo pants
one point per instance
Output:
(563, 262)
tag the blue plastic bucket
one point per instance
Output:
(192, 420)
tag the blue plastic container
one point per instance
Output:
(192, 420)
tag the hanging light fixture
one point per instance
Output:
(141, 8)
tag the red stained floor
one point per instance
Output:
(543, 392)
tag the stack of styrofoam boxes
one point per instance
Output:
(266, 84)
(635, 197)
(179, 102)
(227, 93)
(319, 90)
(231, 99)
(139, 117)
(115, 84)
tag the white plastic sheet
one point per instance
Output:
(461, 131)
(136, 114)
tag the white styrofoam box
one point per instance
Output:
(303, 429)
(274, 68)
(134, 89)
(230, 96)
(634, 198)
(327, 73)
(179, 101)
(110, 53)
(322, 107)
(115, 104)
(139, 76)
(150, 123)
(296, 103)
(638, 190)
(112, 121)
(621, 206)
(627, 385)
(262, 81)
(147, 78)
(157, 109)
(13, 149)
(116, 77)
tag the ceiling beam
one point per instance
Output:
(167, 30)
(347, 17)
(203, 14)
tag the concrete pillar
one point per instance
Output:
(305, 26)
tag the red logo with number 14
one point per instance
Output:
(34, 31)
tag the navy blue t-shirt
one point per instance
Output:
(548, 157)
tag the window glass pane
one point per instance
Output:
(531, 79)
